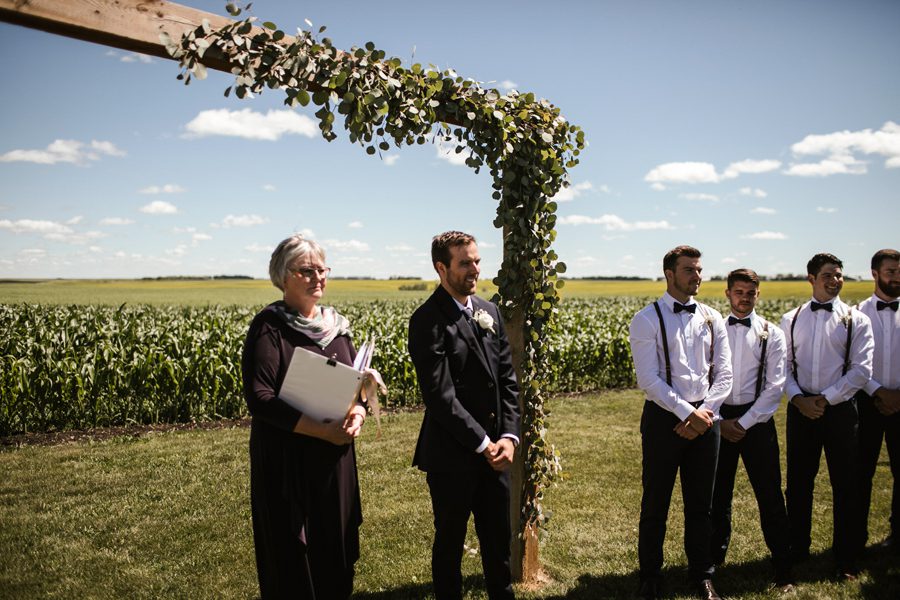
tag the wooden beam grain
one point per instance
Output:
(132, 25)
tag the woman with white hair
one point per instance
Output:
(304, 490)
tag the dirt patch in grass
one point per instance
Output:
(98, 434)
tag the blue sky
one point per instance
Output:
(760, 132)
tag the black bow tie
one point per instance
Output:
(688, 307)
(816, 306)
(745, 321)
(891, 305)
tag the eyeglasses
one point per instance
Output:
(310, 272)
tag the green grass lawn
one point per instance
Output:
(167, 515)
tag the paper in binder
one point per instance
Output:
(321, 387)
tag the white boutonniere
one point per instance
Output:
(763, 336)
(484, 320)
(846, 319)
(709, 320)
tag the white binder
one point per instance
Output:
(321, 387)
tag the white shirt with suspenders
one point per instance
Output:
(758, 358)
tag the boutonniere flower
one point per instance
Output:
(763, 336)
(709, 321)
(484, 320)
(846, 319)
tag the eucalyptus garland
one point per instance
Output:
(525, 143)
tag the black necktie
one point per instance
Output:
(745, 321)
(816, 306)
(688, 307)
(891, 305)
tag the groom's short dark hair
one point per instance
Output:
(441, 244)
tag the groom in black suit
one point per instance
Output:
(470, 431)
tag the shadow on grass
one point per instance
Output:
(417, 591)
(880, 579)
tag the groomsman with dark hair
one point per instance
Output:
(683, 365)
(829, 360)
(879, 403)
(747, 428)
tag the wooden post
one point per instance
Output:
(524, 558)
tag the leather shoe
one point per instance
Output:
(706, 591)
(649, 590)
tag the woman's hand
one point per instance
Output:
(355, 419)
(333, 432)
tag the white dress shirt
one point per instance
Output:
(820, 340)
(886, 333)
(746, 351)
(689, 339)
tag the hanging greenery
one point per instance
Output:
(525, 143)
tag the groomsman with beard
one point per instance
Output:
(747, 427)
(879, 403)
(683, 365)
(829, 360)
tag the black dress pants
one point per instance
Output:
(873, 428)
(483, 493)
(665, 453)
(836, 432)
(759, 451)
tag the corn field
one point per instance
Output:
(73, 367)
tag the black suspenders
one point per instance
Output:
(665, 345)
(762, 361)
(846, 366)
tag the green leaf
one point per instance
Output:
(270, 25)
(303, 97)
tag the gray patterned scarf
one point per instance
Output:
(325, 325)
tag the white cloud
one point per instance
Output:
(179, 250)
(159, 207)
(259, 248)
(169, 188)
(834, 165)
(728, 260)
(355, 225)
(116, 221)
(605, 189)
(64, 151)
(135, 57)
(307, 233)
(750, 166)
(74, 220)
(391, 159)
(839, 148)
(826, 209)
(347, 246)
(447, 151)
(704, 172)
(763, 210)
(35, 226)
(49, 230)
(268, 187)
(486, 245)
(682, 172)
(614, 223)
(95, 249)
(399, 248)
(567, 194)
(241, 221)
(251, 125)
(658, 187)
(765, 235)
(755, 192)
(507, 85)
(200, 237)
(703, 197)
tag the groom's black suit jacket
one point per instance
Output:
(469, 389)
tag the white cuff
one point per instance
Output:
(483, 445)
